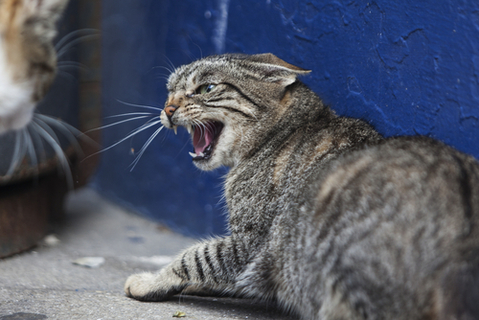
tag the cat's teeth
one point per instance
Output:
(175, 129)
(189, 128)
(194, 155)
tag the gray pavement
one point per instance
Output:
(45, 284)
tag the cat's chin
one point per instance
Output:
(208, 165)
(18, 120)
(207, 160)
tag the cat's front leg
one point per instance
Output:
(211, 264)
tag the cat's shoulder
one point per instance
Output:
(405, 154)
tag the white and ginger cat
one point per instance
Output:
(27, 57)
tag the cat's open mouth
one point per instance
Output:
(205, 137)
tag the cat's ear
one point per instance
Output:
(273, 69)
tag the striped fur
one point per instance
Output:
(326, 216)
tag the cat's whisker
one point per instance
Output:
(31, 149)
(140, 105)
(73, 43)
(163, 67)
(199, 48)
(38, 144)
(117, 123)
(71, 64)
(163, 77)
(57, 122)
(17, 155)
(65, 74)
(66, 129)
(131, 134)
(70, 132)
(132, 114)
(45, 131)
(172, 66)
(47, 128)
(73, 34)
(144, 147)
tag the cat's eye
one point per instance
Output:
(206, 88)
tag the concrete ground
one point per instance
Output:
(45, 283)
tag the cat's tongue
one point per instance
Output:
(202, 139)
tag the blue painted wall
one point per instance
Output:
(407, 67)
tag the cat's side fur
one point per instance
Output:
(326, 216)
(27, 57)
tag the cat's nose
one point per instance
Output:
(169, 110)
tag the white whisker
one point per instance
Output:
(17, 155)
(132, 114)
(67, 126)
(116, 123)
(172, 66)
(65, 74)
(163, 77)
(73, 34)
(66, 129)
(140, 106)
(42, 131)
(133, 133)
(143, 149)
(71, 64)
(163, 67)
(70, 131)
(37, 141)
(46, 128)
(31, 149)
(69, 45)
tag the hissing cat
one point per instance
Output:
(326, 216)
(27, 57)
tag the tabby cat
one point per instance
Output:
(27, 57)
(326, 217)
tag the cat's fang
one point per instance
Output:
(175, 129)
(198, 156)
(189, 128)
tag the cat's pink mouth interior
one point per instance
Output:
(204, 139)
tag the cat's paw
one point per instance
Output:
(149, 287)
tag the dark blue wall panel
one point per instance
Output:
(407, 67)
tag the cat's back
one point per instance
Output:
(414, 191)
(417, 169)
(394, 227)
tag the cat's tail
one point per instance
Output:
(458, 298)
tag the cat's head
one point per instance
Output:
(27, 57)
(227, 103)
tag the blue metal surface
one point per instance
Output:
(407, 67)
